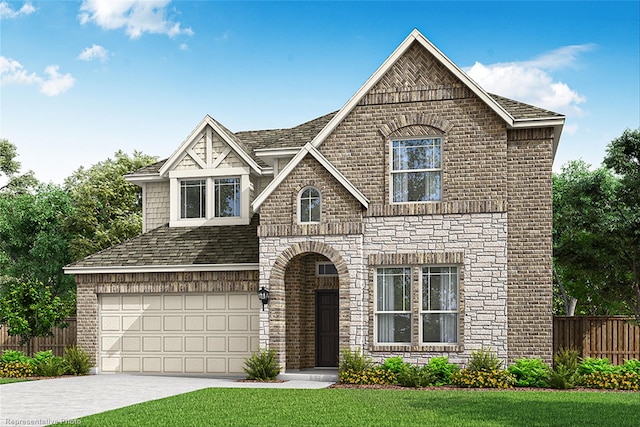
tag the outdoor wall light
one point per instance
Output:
(263, 296)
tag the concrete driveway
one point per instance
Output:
(42, 402)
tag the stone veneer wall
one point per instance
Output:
(476, 242)
(530, 244)
(89, 286)
(156, 204)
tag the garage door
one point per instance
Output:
(173, 334)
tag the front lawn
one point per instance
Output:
(367, 407)
(12, 380)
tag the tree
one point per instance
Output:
(9, 167)
(108, 209)
(596, 231)
(34, 241)
(29, 309)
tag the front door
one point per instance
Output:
(327, 306)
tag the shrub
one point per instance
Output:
(76, 361)
(530, 372)
(262, 366)
(631, 366)
(15, 356)
(15, 369)
(484, 361)
(590, 365)
(370, 376)
(355, 361)
(415, 376)
(564, 374)
(393, 364)
(51, 367)
(612, 380)
(442, 370)
(496, 378)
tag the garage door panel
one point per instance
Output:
(151, 323)
(130, 344)
(151, 344)
(172, 302)
(178, 333)
(172, 323)
(172, 344)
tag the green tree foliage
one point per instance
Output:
(29, 309)
(33, 237)
(596, 230)
(13, 182)
(108, 209)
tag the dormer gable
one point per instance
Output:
(209, 178)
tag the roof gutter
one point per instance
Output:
(161, 268)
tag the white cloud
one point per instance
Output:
(136, 16)
(6, 11)
(12, 72)
(532, 81)
(184, 46)
(94, 52)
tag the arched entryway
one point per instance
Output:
(309, 284)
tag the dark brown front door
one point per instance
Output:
(327, 328)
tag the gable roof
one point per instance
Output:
(230, 248)
(234, 142)
(515, 114)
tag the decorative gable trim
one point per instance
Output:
(204, 129)
(310, 149)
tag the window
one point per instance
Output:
(192, 198)
(309, 205)
(416, 170)
(393, 305)
(226, 197)
(326, 269)
(439, 308)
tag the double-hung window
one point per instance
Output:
(434, 316)
(226, 197)
(439, 308)
(193, 198)
(393, 305)
(416, 170)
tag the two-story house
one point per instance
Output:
(414, 221)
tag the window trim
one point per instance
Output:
(421, 311)
(375, 306)
(392, 172)
(175, 177)
(299, 205)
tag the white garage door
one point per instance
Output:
(207, 334)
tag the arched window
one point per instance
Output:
(309, 206)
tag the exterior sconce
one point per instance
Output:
(263, 296)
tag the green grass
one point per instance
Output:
(12, 380)
(362, 407)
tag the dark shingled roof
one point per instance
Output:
(163, 246)
(520, 110)
(297, 136)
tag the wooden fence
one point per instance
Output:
(612, 337)
(62, 338)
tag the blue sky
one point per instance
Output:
(81, 80)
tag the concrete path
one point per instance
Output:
(42, 402)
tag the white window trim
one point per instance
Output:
(392, 172)
(421, 311)
(299, 207)
(209, 174)
(376, 312)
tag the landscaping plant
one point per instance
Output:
(530, 372)
(355, 361)
(371, 376)
(76, 361)
(15, 364)
(483, 370)
(564, 374)
(416, 376)
(484, 361)
(48, 365)
(393, 364)
(442, 370)
(262, 366)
